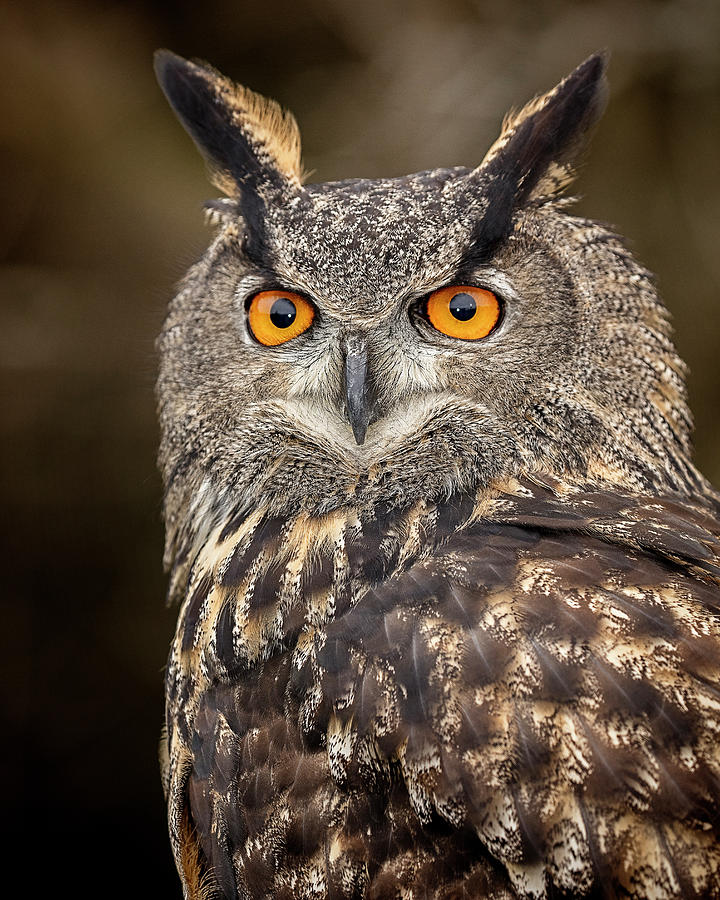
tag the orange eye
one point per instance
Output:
(462, 311)
(279, 316)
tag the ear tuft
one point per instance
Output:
(542, 140)
(246, 139)
(532, 159)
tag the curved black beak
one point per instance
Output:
(357, 398)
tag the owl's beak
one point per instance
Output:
(357, 400)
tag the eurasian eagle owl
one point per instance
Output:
(449, 580)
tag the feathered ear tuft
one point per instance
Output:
(532, 159)
(246, 139)
(541, 141)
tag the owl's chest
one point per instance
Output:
(266, 586)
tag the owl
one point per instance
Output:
(448, 579)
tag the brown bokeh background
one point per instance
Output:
(101, 215)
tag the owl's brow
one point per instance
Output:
(254, 243)
(489, 231)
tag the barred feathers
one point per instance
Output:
(508, 695)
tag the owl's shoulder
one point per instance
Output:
(548, 675)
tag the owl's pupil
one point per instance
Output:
(463, 307)
(282, 313)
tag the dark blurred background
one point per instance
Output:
(101, 215)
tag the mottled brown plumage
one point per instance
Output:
(479, 654)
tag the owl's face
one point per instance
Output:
(367, 256)
(407, 337)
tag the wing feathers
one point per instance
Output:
(528, 701)
(528, 675)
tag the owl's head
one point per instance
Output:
(407, 337)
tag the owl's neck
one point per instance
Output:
(216, 521)
(214, 508)
(452, 452)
